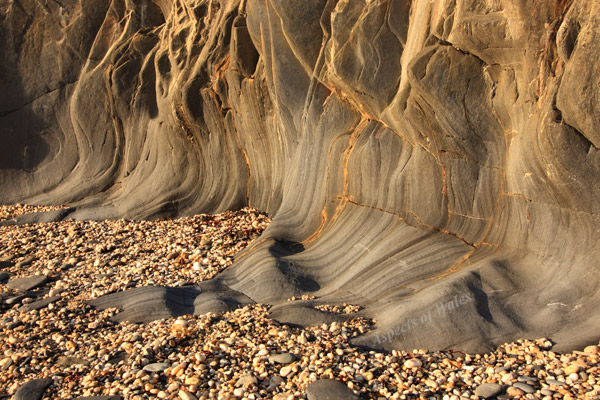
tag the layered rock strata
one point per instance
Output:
(435, 162)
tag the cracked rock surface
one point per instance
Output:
(435, 163)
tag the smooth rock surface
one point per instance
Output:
(36, 305)
(329, 389)
(155, 302)
(4, 276)
(414, 155)
(27, 283)
(282, 358)
(33, 390)
(156, 367)
(488, 390)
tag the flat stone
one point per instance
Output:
(33, 390)
(68, 361)
(14, 325)
(246, 380)
(524, 387)
(30, 282)
(156, 367)
(329, 389)
(488, 390)
(528, 379)
(551, 381)
(66, 267)
(25, 262)
(15, 299)
(282, 358)
(100, 398)
(36, 305)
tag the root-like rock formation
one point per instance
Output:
(435, 162)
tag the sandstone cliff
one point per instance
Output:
(434, 161)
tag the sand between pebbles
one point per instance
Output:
(237, 354)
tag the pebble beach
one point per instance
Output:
(56, 346)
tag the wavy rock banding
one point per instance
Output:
(435, 162)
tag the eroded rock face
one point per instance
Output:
(436, 162)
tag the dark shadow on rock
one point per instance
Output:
(146, 304)
(302, 314)
(481, 301)
(291, 269)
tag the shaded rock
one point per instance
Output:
(15, 299)
(329, 389)
(4, 276)
(25, 262)
(524, 387)
(155, 302)
(302, 315)
(14, 325)
(33, 390)
(36, 305)
(27, 283)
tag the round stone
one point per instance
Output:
(413, 363)
(282, 358)
(488, 390)
(156, 367)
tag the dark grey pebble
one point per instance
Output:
(25, 262)
(15, 299)
(4, 276)
(25, 284)
(524, 387)
(527, 379)
(488, 390)
(329, 389)
(36, 305)
(14, 325)
(33, 390)
(65, 267)
(551, 381)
